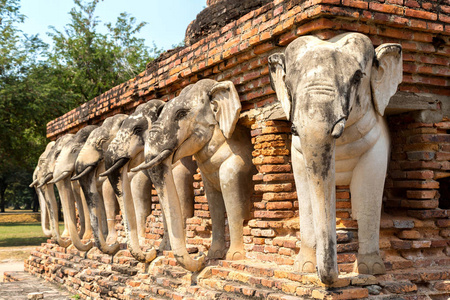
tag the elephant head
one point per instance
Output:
(88, 164)
(325, 87)
(45, 222)
(46, 187)
(127, 150)
(70, 192)
(201, 121)
(134, 189)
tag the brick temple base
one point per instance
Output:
(415, 256)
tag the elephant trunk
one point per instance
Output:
(163, 181)
(45, 216)
(114, 166)
(122, 187)
(52, 206)
(96, 209)
(68, 203)
(318, 151)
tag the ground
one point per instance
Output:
(20, 233)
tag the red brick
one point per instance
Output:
(443, 223)
(427, 214)
(409, 234)
(274, 214)
(420, 204)
(279, 205)
(421, 194)
(400, 287)
(355, 3)
(274, 168)
(443, 285)
(278, 177)
(281, 187)
(386, 8)
(430, 184)
(400, 244)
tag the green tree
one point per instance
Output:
(39, 83)
(91, 62)
(18, 141)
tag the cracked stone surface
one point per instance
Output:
(29, 284)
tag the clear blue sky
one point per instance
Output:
(167, 20)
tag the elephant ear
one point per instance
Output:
(386, 74)
(277, 68)
(226, 106)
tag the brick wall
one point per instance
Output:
(415, 223)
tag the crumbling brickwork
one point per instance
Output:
(414, 236)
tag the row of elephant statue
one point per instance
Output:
(334, 92)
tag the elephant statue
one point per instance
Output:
(45, 221)
(133, 189)
(69, 192)
(100, 198)
(201, 122)
(46, 186)
(335, 93)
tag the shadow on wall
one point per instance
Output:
(444, 191)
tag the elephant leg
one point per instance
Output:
(165, 242)
(235, 181)
(109, 201)
(306, 258)
(217, 211)
(367, 191)
(141, 189)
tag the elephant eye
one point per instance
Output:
(57, 154)
(356, 79)
(74, 149)
(181, 114)
(137, 130)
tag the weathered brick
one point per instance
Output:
(409, 234)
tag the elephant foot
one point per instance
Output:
(216, 252)
(369, 264)
(165, 244)
(235, 254)
(306, 260)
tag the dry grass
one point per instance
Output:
(15, 217)
(12, 253)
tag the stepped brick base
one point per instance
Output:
(93, 275)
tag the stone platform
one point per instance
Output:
(21, 285)
(93, 275)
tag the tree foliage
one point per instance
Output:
(39, 82)
(91, 62)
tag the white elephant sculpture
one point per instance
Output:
(335, 92)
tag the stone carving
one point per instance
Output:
(98, 192)
(133, 189)
(46, 186)
(335, 93)
(69, 192)
(201, 121)
(45, 221)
